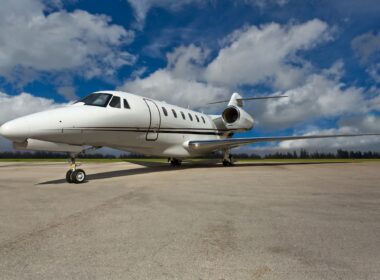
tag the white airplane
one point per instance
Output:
(137, 124)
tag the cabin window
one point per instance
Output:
(96, 99)
(196, 116)
(191, 117)
(183, 115)
(203, 119)
(126, 104)
(174, 113)
(165, 112)
(115, 102)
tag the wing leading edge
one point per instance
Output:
(220, 144)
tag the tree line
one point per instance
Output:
(301, 154)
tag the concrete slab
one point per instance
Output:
(252, 221)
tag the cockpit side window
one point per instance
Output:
(126, 104)
(96, 99)
(115, 102)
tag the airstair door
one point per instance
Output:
(155, 121)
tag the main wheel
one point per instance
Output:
(68, 176)
(232, 160)
(78, 176)
(175, 162)
(227, 163)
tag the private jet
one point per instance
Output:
(137, 124)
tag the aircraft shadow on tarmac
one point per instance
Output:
(152, 167)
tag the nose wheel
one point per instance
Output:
(74, 175)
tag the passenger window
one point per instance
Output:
(115, 102)
(165, 112)
(191, 117)
(174, 113)
(126, 104)
(196, 116)
(183, 115)
(203, 119)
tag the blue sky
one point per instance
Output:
(324, 54)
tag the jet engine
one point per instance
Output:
(237, 119)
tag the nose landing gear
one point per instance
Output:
(74, 175)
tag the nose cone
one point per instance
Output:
(15, 130)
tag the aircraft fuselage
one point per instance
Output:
(148, 126)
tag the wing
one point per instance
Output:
(220, 144)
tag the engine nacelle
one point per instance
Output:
(236, 118)
(38, 145)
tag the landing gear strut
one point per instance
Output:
(75, 175)
(175, 161)
(228, 160)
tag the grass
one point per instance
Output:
(90, 160)
(310, 160)
(164, 160)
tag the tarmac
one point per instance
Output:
(250, 221)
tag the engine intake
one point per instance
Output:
(231, 115)
(235, 118)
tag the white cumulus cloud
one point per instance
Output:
(164, 85)
(266, 54)
(250, 56)
(180, 82)
(12, 107)
(23, 104)
(270, 55)
(319, 97)
(367, 48)
(34, 41)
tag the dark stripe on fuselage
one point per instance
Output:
(144, 130)
(161, 128)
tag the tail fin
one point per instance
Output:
(237, 100)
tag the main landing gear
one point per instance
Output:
(75, 175)
(228, 160)
(175, 161)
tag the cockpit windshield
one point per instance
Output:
(96, 99)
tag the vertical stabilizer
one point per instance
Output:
(236, 100)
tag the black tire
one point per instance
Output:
(232, 161)
(227, 163)
(175, 162)
(78, 176)
(68, 176)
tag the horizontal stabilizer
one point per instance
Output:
(250, 98)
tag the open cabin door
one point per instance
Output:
(155, 120)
